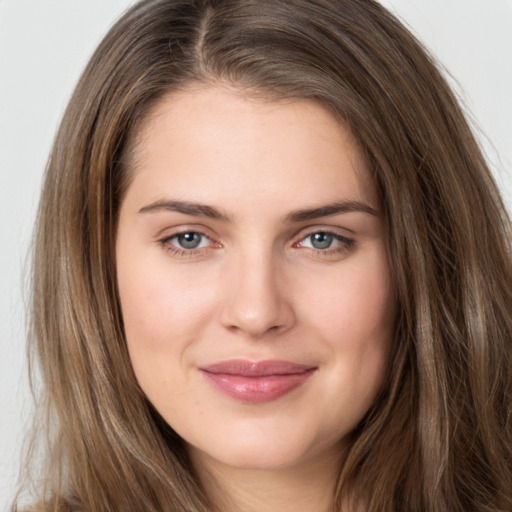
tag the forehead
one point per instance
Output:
(221, 144)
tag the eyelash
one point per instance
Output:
(186, 253)
(344, 244)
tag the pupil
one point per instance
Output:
(321, 240)
(189, 240)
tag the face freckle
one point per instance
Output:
(253, 277)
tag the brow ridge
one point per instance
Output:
(187, 208)
(202, 210)
(338, 207)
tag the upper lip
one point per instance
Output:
(245, 368)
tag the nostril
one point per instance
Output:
(255, 305)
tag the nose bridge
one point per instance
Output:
(256, 303)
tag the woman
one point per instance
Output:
(272, 272)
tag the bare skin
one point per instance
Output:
(250, 232)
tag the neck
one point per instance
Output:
(303, 488)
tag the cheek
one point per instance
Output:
(356, 318)
(148, 307)
(163, 312)
(356, 306)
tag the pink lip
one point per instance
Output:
(256, 382)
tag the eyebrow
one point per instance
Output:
(330, 209)
(187, 208)
(202, 210)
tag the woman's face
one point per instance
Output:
(253, 277)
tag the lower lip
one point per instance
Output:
(257, 390)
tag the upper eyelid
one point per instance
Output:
(337, 231)
(178, 233)
(332, 233)
(185, 231)
(340, 238)
(170, 232)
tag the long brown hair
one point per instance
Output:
(439, 435)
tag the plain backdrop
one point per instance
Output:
(44, 45)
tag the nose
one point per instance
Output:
(256, 303)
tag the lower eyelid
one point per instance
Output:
(169, 244)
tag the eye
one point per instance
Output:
(325, 242)
(189, 240)
(320, 240)
(188, 243)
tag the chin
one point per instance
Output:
(263, 449)
(259, 458)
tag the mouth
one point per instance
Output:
(256, 381)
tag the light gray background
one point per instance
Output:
(44, 45)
